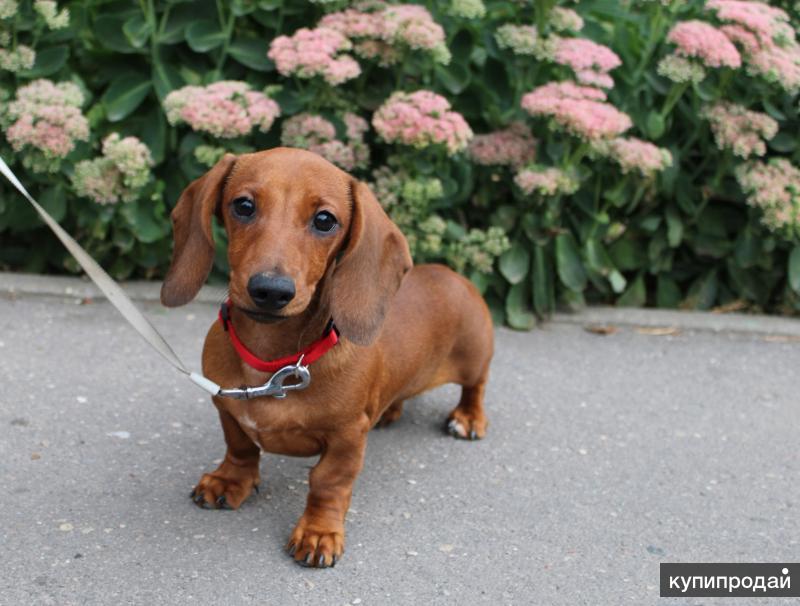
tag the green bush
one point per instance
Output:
(635, 153)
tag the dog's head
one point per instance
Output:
(293, 221)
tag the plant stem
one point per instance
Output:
(655, 38)
(228, 29)
(675, 93)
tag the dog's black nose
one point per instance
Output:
(270, 292)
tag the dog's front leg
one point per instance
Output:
(318, 537)
(237, 476)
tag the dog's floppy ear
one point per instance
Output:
(193, 252)
(370, 270)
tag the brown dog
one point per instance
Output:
(308, 243)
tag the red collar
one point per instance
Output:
(310, 354)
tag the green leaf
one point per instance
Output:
(707, 245)
(480, 280)
(655, 125)
(165, 78)
(190, 167)
(154, 134)
(747, 248)
(543, 291)
(748, 282)
(518, 314)
(108, 30)
(54, 201)
(651, 223)
(48, 62)
(635, 296)
(628, 254)
(773, 111)
(289, 101)
(497, 310)
(204, 35)
(461, 46)
(175, 27)
(505, 216)
(252, 53)
(137, 30)
(674, 227)
(783, 142)
(125, 94)
(240, 8)
(617, 281)
(703, 291)
(454, 77)
(794, 269)
(668, 294)
(568, 263)
(514, 263)
(146, 226)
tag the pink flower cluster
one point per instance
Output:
(739, 129)
(381, 31)
(768, 24)
(766, 38)
(23, 57)
(519, 39)
(590, 61)
(773, 187)
(223, 109)
(315, 52)
(545, 181)
(778, 65)
(634, 154)
(512, 146)
(316, 134)
(8, 8)
(703, 41)
(47, 118)
(119, 174)
(681, 69)
(421, 119)
(581, 110)
(565, 19)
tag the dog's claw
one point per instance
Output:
(451, 427)
(292, 549)
(255, 488)
(321, 561)
(222, 502)
(307, 560)
(473, 435)
(333, 561)
(192, 494)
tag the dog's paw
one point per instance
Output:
(315, 548)
(224, 488)
(466, 426)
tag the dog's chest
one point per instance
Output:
(279, 426)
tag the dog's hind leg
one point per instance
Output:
(391, 414)
(467, 420)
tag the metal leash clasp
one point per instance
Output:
(274, 387)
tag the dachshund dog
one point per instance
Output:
(310, 246)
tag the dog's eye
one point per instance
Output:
(324, 221)
(243, 208)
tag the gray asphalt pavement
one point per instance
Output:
(605, 456)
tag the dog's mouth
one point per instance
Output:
(264, 317)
